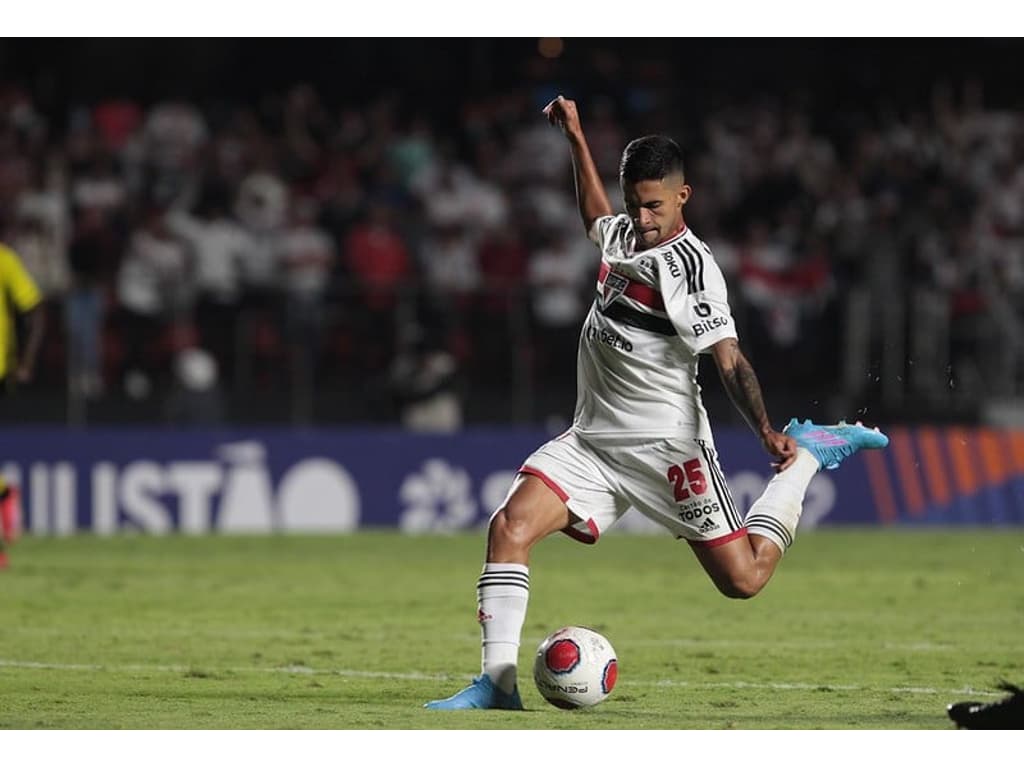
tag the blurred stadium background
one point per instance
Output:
(318, 253)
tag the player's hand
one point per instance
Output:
(782, 447)
(562, 112)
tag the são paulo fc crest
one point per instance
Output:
(614, 285)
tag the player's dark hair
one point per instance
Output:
(650, 158)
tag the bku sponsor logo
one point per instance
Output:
(673, 266)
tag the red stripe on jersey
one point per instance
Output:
(646, 295)
(721, 539)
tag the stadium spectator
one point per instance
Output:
(93, 259)
(262, 208)
(875, 192)
(423, 382)
(40, 235)
(451, 280)
(219, 246)
(561, 278)
(154, 291)
(501, 313)
(381, 268)
(307, 259)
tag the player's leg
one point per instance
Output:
(556, 483)
(776, 512)
(531, 511)
(740, 568)
(680, 484)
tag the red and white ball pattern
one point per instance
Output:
(575, 667)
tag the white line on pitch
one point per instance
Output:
(699, 644)
(304, 670)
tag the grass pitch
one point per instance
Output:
(872, 629)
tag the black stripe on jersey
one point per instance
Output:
(769, 524)
(721, 488)
(698, 264)
(637, 319)
(685, 261)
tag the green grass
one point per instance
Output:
(873, 629)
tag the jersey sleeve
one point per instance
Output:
(696, 297)
(21, 287)
(609, 233)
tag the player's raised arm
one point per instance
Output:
(590, 195)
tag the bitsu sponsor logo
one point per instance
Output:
(706, 326)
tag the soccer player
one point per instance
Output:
(18, 292)
(640, 436)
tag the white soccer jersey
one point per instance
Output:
(655, 312)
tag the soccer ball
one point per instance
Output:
(575, 667)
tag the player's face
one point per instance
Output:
(656, 208)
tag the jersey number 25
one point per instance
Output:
(687, 479)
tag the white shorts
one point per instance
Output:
(678, 483)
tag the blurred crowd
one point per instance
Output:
(307, 258)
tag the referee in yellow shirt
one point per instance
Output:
(19, 296)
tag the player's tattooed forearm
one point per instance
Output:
(745, 391)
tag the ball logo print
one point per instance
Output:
(563, 656)
(575, 667)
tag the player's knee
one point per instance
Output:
(738, 586)
(510, 528)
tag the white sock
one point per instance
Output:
(777, 511)
(502, 593)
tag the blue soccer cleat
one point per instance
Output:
(481, 694)
(832, 443)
